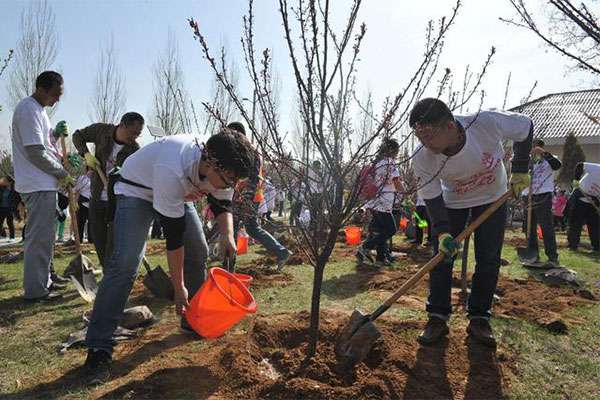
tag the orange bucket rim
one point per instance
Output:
(251, 308)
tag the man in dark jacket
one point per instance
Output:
(113, 144)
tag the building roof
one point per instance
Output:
(558, 114)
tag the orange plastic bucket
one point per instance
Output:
(403, 223)
(539, 233)
(221, 302)
(242, 244)
(353, 235)
(245, 279)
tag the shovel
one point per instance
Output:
(525, 254)
(80, 269)
(357, 337)
(463, 270)
(158, 282)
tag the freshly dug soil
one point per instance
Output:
(265, 275)
(270, 364)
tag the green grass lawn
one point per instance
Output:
(548, 366)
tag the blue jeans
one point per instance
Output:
(488, 248)
(133, 218)
(255, 231)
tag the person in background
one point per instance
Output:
(38, 175)
(83, 194)
(585, 205)
(9, 199)
(559, 202)
(421, 212)
(383, 225)
(112, 145)
(542, 185)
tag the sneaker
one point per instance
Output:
(57, 286)
(383, 263)
(434, 331)
(364, 256)
(50, 297)
(479, 329)
(97, 367)
(282, 261)
(56, 278)
(553, 264)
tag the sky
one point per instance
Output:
(390, 52)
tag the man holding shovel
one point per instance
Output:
(113, 144)
(460, 169)
(165, 177)
(542, 187)
(38, 175)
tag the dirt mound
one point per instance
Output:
(264, 275)
(271, 364)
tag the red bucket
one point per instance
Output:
(242, 244)
(353, 235)
(245, 279)
(221, 302)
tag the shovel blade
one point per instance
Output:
(356, 339)
(81, 271)
(526, 255)
(159, 283)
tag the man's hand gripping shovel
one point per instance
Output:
(358, 336)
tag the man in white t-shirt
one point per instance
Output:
(542, 185)
(460, 171)
(38, 174)
(164, 177)
(584, 205)
(383, 225)
(112, 145)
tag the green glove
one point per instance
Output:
(91, 161)
(67, 182)
(518, 182)
(62, 129)
(448, 245)
(575, 184)
(74, 160)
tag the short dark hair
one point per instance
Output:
(130, 118)
(388, 147)
(232, 152)
(429, 111)
(48, 79)
(539, 142)
(237, 126)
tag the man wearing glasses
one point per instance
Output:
(165, 177)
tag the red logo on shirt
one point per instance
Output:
(485, 177)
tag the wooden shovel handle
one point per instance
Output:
(439, 257)
(72, 211)
(102, 176)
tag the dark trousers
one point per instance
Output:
(6, 214)
(295, 212)
(583, 214)
(381, 229)
(488, 248)
(422, 212)
(101, 230)
(280, 208)
(541, 214)
(82, 218)
(559, 223)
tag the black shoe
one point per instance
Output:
(434, 331)
(364, 256)
(58, 279)
(97, 367)
(50, 297)
(479, 329)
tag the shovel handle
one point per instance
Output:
(463, 269)
(529, 204)
(439, 257)
(102, 176)
(72, 211)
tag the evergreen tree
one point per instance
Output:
(572, 155)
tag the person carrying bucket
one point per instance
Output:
(165, 177)
(382, 226)
(460, 170)
(421, 222)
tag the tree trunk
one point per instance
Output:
(315, 307)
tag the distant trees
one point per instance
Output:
(571, 29)
(4, 64)
(108, 98)
(35, 52)
(170, 107)
(572, 155)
